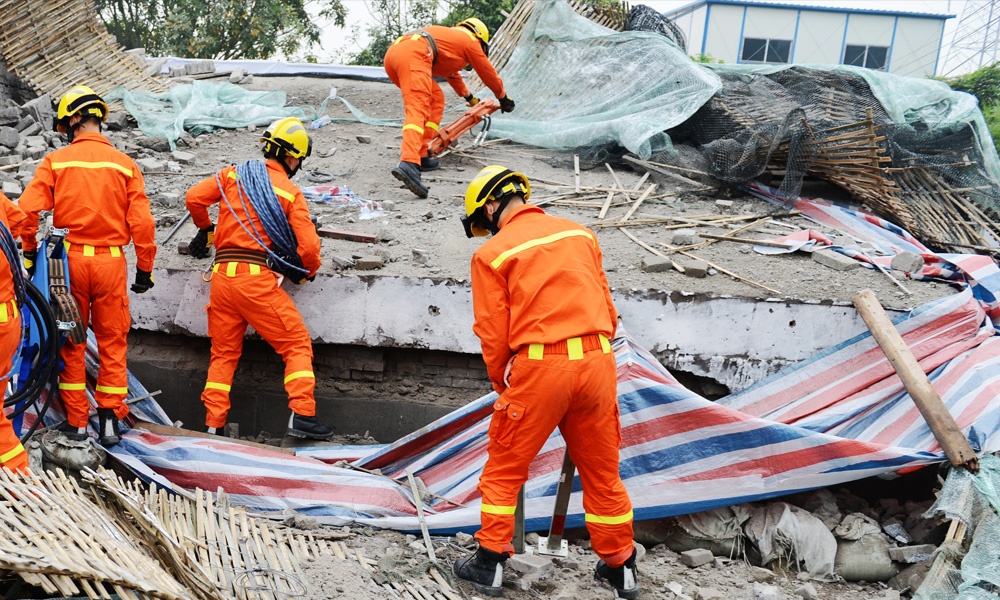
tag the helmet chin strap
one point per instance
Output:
(494, 226)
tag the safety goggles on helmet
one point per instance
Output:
(491, 183)
(79, 100)
(289, 135)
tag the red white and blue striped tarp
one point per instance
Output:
(838, 416)
(680, 452)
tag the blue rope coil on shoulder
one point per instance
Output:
(254, 187)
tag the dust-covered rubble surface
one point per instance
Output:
(424, 238)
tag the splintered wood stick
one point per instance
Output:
(649, 248)
(576, 172)
(635, 206)
(722, 270)
(729, 238)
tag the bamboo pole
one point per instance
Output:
(941, 422)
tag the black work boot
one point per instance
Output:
(484, 570)
(409, 174)
(77, 434)
(429, 163)
(622, 578)
(107, 432)
(308, 427)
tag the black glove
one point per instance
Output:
(506, 104)
(143, 281)
(471, 100)
(201, 242)
(30, 257)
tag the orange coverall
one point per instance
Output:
(12, 454)
(98, 194)
(544, 316)
(410, 65)
(244, 293)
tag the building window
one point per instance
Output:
(870, 57)
(766, 51)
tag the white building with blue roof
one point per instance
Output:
(741, 31)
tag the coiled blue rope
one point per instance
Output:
(254, 186)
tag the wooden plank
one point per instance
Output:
(942, 424)
(639, 201)
(168, 430)
(344, 234)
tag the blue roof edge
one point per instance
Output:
(687, 8)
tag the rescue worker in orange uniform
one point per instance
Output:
(98, 194)
(544, 316)
(12, 454)
(412, 62)
(245, 291)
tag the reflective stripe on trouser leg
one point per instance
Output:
(269, 309)
(226, 328)
(409, 67)
(592, 430)
(436, 112)
(107, 285)
(524, 416)
(72, 383)
(12, 454)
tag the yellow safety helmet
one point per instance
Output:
(491, 183)
(80, 99)
(289, 135)
(478, 29)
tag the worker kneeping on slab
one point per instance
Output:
(97, 194)
(544, 317)
(264, 235)
(12, 294)
(412, 62)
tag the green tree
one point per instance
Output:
(984, 84)
(218, 29)
(393, 18)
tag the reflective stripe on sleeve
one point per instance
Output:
(211, 385)
(72, 386)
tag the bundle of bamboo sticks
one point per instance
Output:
(55, 45)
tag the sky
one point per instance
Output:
(337, 42)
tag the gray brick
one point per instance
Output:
(835, 260)
(530, 564)
(198, 67)
(696, 557)
(9, 116)
(907, 262)
(11, 189)
(9, 137)
(694, 267)
(655, 264)
(912, 554)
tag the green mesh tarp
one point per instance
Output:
(580, 85)
(201, 106)
(975, 501)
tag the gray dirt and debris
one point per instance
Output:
(425, 238)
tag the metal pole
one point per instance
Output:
(554, 544)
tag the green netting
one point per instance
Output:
(973, 500)
(580, 85)
(928, 103)
(201, 106)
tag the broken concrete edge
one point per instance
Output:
(701, 334)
